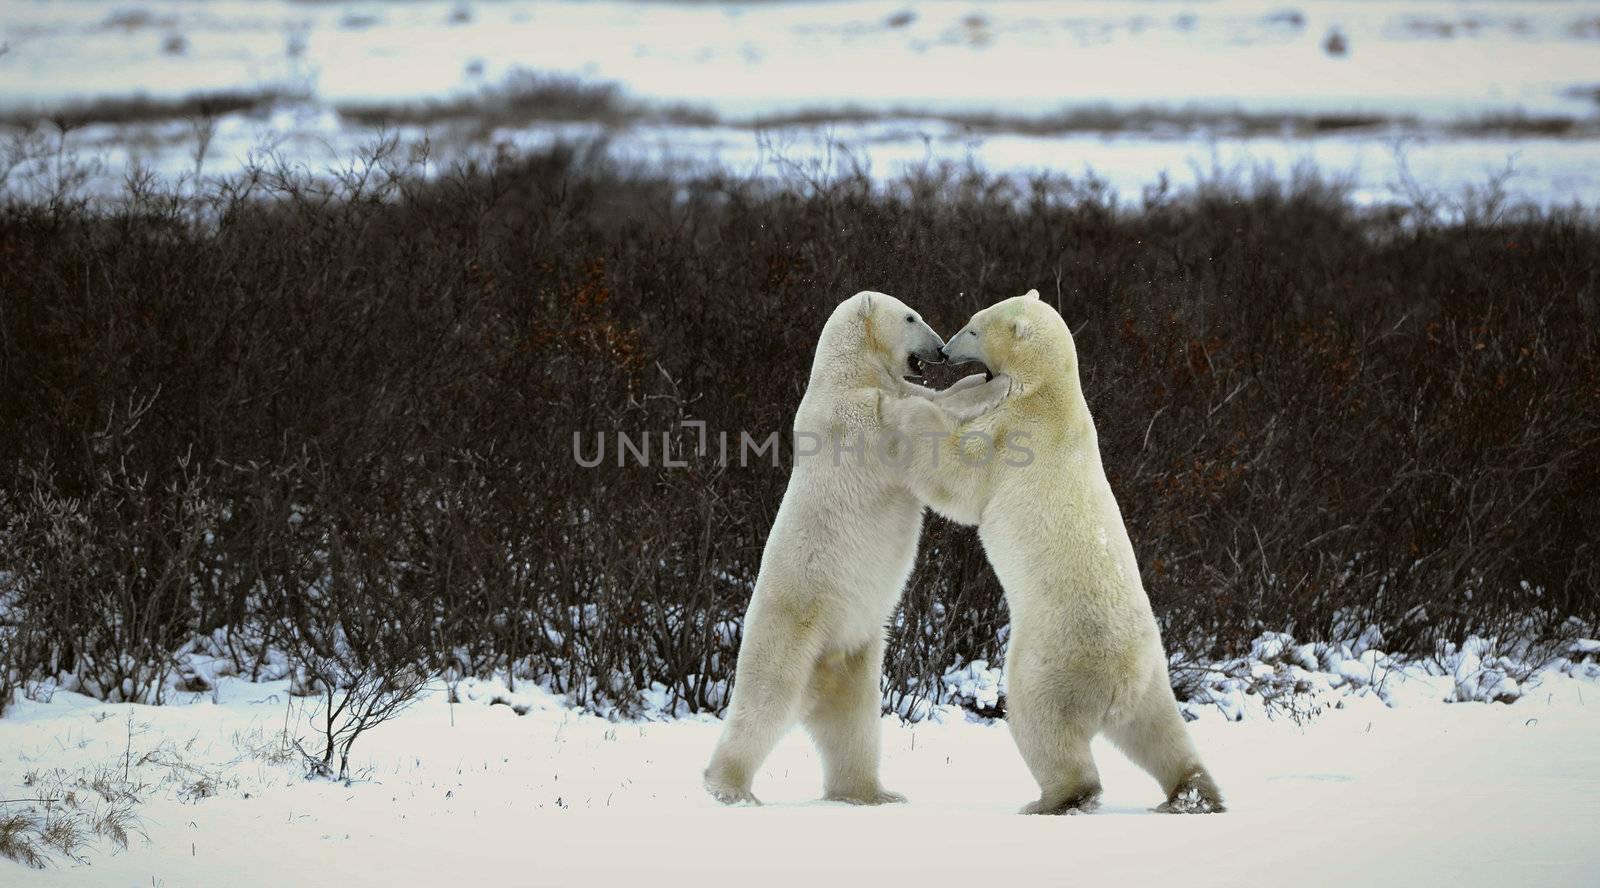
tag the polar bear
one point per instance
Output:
(838, 556)
(1085, 653)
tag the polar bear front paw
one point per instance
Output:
(878, 796)
(974, 402)
(732, 795)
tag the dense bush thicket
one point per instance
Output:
(338, 418)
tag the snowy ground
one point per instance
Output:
(1379, 168)
(1390, 786)
(1441, 78)
(1434, 58)
(1418, 793)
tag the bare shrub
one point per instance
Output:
(338, 414)
(352, 702)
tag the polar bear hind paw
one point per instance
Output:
(1196, 795)
(868, 797)
(1080, 803)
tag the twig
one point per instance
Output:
(1146, 445)
(127, 752)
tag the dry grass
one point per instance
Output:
(67, 815)
(71, 813)
(527, 98)
(145, 109)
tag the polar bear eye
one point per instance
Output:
(972, 332)
(911, 319)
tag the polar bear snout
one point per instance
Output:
(964, 347)
(925, 347)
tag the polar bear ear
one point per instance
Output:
(866, 304)
(1021, 327)
(1031, 294)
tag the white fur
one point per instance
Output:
(835, 563)
(1085, 653)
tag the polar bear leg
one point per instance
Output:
(770, 682)
(1155, 738)
(1055, 745)
(845, 722)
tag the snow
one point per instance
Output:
(1445, 171)
(1419, 793)
(1471, 769)
(1425, 58)
(1427, 63)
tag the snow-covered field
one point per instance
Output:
(1453, 86)
(1439, 168)
(1434, 58)
(1379, 778)
(1413, 792)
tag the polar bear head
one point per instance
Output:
(1022, 337)
(877, 334)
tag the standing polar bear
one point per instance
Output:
(1085, 653)
(840, 551)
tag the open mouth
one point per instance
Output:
(917, 364)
